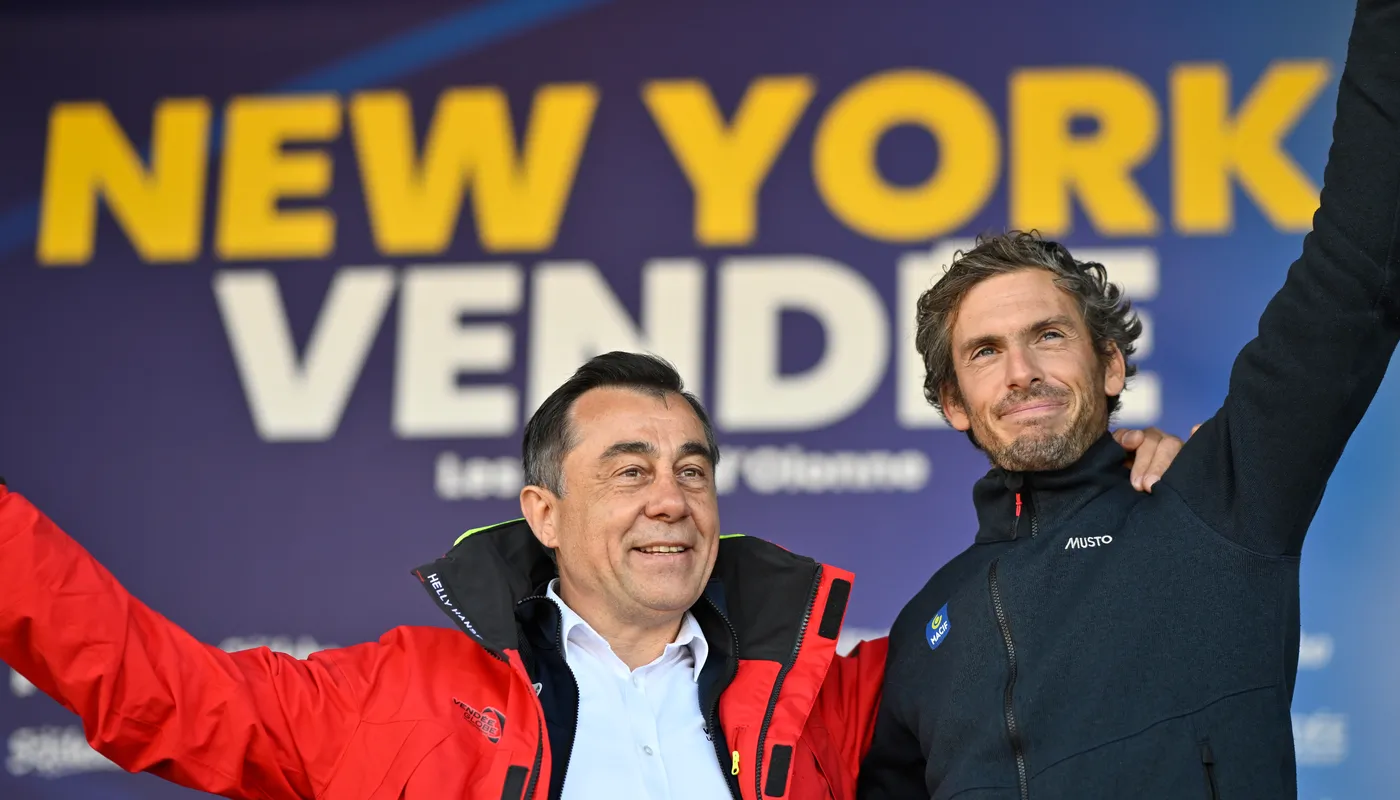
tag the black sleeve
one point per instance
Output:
(894, 765)
(1256, 471)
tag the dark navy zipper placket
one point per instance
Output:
(717, 735)
(559, 645)
(539, 719)
(1012, 729)
(1025, 503)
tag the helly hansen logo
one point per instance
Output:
(441, 591)
(1082, 542)
(490, 721)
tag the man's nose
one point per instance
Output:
(665, 500)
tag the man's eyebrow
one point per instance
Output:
(1057, 321)
(978, 342)
(697, 449)
(628, 448)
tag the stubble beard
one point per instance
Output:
(1042, 448)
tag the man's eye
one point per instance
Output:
(1052, 335)
(986, 351)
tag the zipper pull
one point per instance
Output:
(734, 770)
(1016, 522)
(1015, 481)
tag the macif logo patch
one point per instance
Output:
(937, 629)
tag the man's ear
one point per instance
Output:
(1115, 372)
(953, 408)
(540, 508)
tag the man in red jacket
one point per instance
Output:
(611, 643)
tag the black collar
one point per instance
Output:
(1045, 497)
(764, 591)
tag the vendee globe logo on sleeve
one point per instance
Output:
(937, 629)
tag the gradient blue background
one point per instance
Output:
(121, 413)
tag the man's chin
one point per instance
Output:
(670, 599)
(1040, 450)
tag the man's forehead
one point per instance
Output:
(609, 414)
(1001, 304)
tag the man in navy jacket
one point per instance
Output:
(1096, 642)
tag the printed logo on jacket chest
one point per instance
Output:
(489, 721)
(937, 629)
(1084, 542)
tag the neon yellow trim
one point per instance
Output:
(486, 528)
(732, 535)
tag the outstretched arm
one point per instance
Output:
(1256, 471)
(253, 724)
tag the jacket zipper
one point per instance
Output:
(539, 750)
(1208, 761)
(1011, 728)
(730, 778)
(1016, 522)
(778, 684)
(578, 702)
(539, 756)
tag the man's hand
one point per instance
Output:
(1150, 452)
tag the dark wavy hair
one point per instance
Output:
(1107, 313)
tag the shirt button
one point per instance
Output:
(646, 749)
(636, 681)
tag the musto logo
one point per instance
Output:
(1082, 542)
(490, 721)
(937, 629)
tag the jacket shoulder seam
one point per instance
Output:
(1221, 535)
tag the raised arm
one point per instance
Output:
(253, 724)
(1257, 470)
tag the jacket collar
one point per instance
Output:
(763, 592)
(576, 633)
(1046, 498)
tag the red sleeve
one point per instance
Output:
(850, 697)
(252, 724)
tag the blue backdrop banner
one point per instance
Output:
(282, 282)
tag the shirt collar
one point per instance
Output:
(690, 636)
